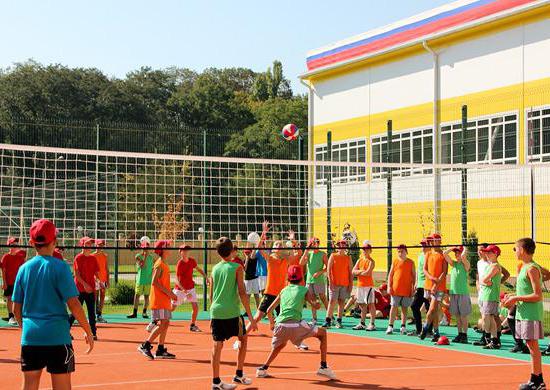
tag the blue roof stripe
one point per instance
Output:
(401, 29)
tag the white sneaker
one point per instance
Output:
(13, 322)
(242, 380)
(224, 386)
(403, 330)
(302, 347)
(326, 372)
(389, 330)
(313, 323)
(150, 327)
(237, 345)
(371, 327)
(261, 373)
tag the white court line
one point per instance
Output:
(290, 373)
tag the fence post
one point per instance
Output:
(300, 185)
(117, 243)
(205, 267)
(389, 203)
(328, 176)
(464, 204)
(203, 221)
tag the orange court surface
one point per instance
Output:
(360, 362)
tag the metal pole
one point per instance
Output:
(532, 179)
(328, 177)
(300, 186)
(464, 206)
(205, 266)
(389, 203)
(203, 222)
(96, 227)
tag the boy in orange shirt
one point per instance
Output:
(365, 287)
(340, 283)
(102, 282)
(435, 269)
(401, 286)
(161, 304)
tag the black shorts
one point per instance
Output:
(267, 300)
(8, 292)
(57, 359)
(225, 329)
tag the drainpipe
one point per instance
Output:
(310, 153)
(436, 143)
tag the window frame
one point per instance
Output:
(539, 157)
(360, 175)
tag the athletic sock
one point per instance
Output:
(339, 320)
(363, 323)
(147, 344)
(328, 320)
(323, 364)
(239, 373)
(264, 367)
(537, 379)
(160, 347)
(216, 381)
(10, 315)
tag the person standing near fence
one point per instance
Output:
(316, 262)
(460, 302)
(10, 264)
(419, 298)
(366, 298)
(102, 283)
(144, 277)
(490, 295)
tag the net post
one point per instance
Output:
(203, 220)
(464, 177)
(389, 204)
(116, 257)
(300, 184)
(328, 176)
(205, 267)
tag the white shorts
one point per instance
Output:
(365, 295)
(185, 296)
(252, 286)
(262, 281)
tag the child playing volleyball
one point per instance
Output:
(43, 290)
(460, 303)
(227, 291)
(102, 283)
(490, 295)
(340, 282)
(529, 309)
(144, 277)
(161, 304)
(290, 326)
(365, 287)
(10, 264)
(401, 285)
(185, 285)
(316, 262)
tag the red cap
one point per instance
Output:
(443, 340)
(342, 244)
(159, 245)
(383, 286)
(12, 240)
(295, 273)
(402, 246)
(247, 252)
(84, 240)
(435, 236)
(424, 242)
(458, 249)
(99, 242)
(184, 247)
(43, 232)
(144, 244)
(492, 248)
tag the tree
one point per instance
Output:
(272, 84)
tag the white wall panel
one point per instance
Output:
(537, 50)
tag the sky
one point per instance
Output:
(118, 36)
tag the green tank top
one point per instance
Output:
(144, 275)
(293, 298)
(491, 293)
(527, 311)
(315, 264)
(459, 279)
(420, 277)
(225, 297)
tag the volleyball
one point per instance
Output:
(290, 132)
(253, 238)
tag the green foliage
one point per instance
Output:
(121, 293)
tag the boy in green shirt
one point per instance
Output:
(289, 325)
(144, 278)
(460, 303)
(529, 309)
(316, 262)
(490, 295)
(227, 291)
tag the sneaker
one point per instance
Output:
(359, 327)
(413, 333)
(457, 339)
(101, 320)
(144, 315)
(261, 373)
(146, 351)
(150, 327)
(403, 330)
(164, 354)
(95, 337)
(223, 386)
(313, 322)
(326, 325)
(423, 334)
(133, 315)
(339, 325)
(481, 342)
(531, 386)
(194, 328)
(237, 345)
(302, 347)
(242, 380)
(518, 347)
(491, 345)
(326, 372)
(464, 339)
(389, 330)
(371, 327)
(6, 319)
(13, 322)
(435, 338)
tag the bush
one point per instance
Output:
(121, 293)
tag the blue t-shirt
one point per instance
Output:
(261, 265)
(43, 286)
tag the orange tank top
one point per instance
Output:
(340, 270)
(435, 261)
(364, 280)
(402, 280)
(276, 275)
(159, 300)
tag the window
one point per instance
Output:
(347, 151)
(538, 133)
(491, 140)
(414, 146)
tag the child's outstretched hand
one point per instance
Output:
(90, 341)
